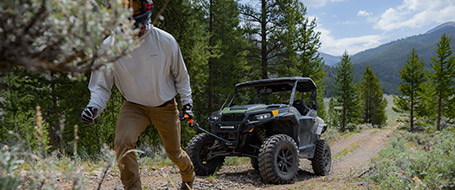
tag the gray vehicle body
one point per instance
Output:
(246, 126)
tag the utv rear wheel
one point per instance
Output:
(278, 160)
(322, 160)
(198, 150)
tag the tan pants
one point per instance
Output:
(132, 121)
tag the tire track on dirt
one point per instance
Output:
(369, 145)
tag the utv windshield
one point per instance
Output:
(278, 94)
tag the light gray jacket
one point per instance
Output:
(151, 75)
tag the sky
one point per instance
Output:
(357, 25)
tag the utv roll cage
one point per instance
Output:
(300, 84)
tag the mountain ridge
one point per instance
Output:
(330, 60)
(387, 59)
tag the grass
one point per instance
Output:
(213, 176)
(350, 133)
(155, 162)
(392, 116)
(345, 152)
(235, 161)
(333, 135)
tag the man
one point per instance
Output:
(148, 79)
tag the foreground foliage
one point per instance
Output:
(416, 161)
(61, 35)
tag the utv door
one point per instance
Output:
(307, 136)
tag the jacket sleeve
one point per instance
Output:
(100, 85)
(181, 77)
(101, 81)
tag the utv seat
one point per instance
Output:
(301, 106)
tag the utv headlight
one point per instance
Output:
(214, 117)
(262, 116)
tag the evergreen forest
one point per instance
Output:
(49, 48)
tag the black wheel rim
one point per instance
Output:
(203, 155)
(326, 159)
(285, 160)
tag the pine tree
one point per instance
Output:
(297, 54)
(310, 61)
(443, 80)
(373, 101)
(346, 94)
(227, 65)
(413, 79)
(333, 113)
(264, 27)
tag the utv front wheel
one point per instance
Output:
(278, 160)
(198, 150)
(322, 160)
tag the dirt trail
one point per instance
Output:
(361, 148)
(350, 155)
(370, 143)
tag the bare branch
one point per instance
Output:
(40, 12)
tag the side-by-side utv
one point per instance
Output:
(272, 121)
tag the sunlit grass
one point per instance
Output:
(235, 161)
(346, 151)
(155, 162)
(392, 116)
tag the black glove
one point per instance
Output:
(186, 110)
(88, 115)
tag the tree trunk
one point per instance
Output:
(370, 103)
(264, 40)
(343, 120)
(412, 111)
(210, 60)
(439, 110)
(54, 138)
(438, 126)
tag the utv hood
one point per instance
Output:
(244, 108)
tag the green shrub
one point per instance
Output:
(9, 164)
(430, 165)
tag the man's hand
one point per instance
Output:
(88, 115)
(186, 110)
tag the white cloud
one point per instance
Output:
(336, 47)
(346, 22)
(314, 3)
(318, 3)
(364, 13)
(416, 13)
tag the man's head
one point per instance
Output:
(142, 11)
